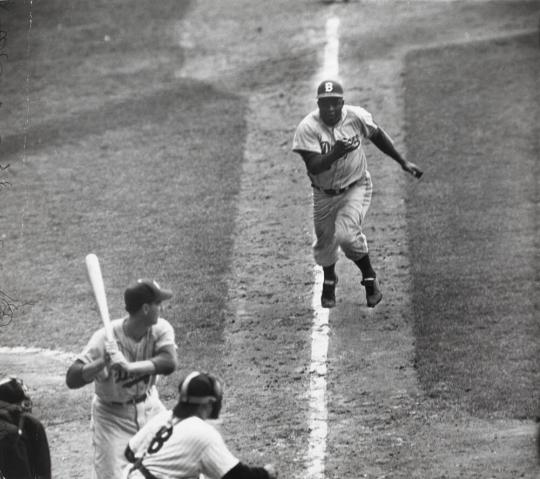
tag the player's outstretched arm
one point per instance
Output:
(384, 143)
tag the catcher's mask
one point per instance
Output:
(202, 388)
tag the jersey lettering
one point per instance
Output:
(126, 380)
(135, 380)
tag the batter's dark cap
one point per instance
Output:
(144, 291)
(330, 89)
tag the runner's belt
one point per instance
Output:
(135, 400)
(337, 191)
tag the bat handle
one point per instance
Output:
(109, 333)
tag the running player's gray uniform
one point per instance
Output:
(338, 218)
(329, 140)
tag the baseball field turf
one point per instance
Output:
(475, 225)
(157, 135)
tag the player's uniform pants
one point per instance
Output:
(113, 426)
(338, 223)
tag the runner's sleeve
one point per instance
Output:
(363, 121)
(306, 138)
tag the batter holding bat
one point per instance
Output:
(329, 140)
(122, 359)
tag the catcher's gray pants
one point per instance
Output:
(338, 223)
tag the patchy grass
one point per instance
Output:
(118, 156)
(472, 223)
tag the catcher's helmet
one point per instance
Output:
(202, 388)
(330, 89)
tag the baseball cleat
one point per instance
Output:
(373, 292)
(328, 297)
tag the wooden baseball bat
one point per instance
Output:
(96, 280)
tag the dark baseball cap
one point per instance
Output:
(144, 291)
(330, 89)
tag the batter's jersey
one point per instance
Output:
(195, 447)
(113, 388)
(312, 134)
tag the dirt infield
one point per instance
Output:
(248, 315)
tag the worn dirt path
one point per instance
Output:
(380, 425)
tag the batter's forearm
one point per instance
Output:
(163, 363)
(91, 370)
(141, 368)
(80, 374)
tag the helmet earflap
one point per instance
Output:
(218, 394)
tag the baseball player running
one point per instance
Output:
(124, 374)
(182, 444)
(329, 140)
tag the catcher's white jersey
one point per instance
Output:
(195, 447)
(312, 134)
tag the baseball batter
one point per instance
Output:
(329, 140)
(182, 444)
(124, 374)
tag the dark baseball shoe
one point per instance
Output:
(373, 292)
(328, 296)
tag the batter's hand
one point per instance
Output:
(113, 355)
(411, 168)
